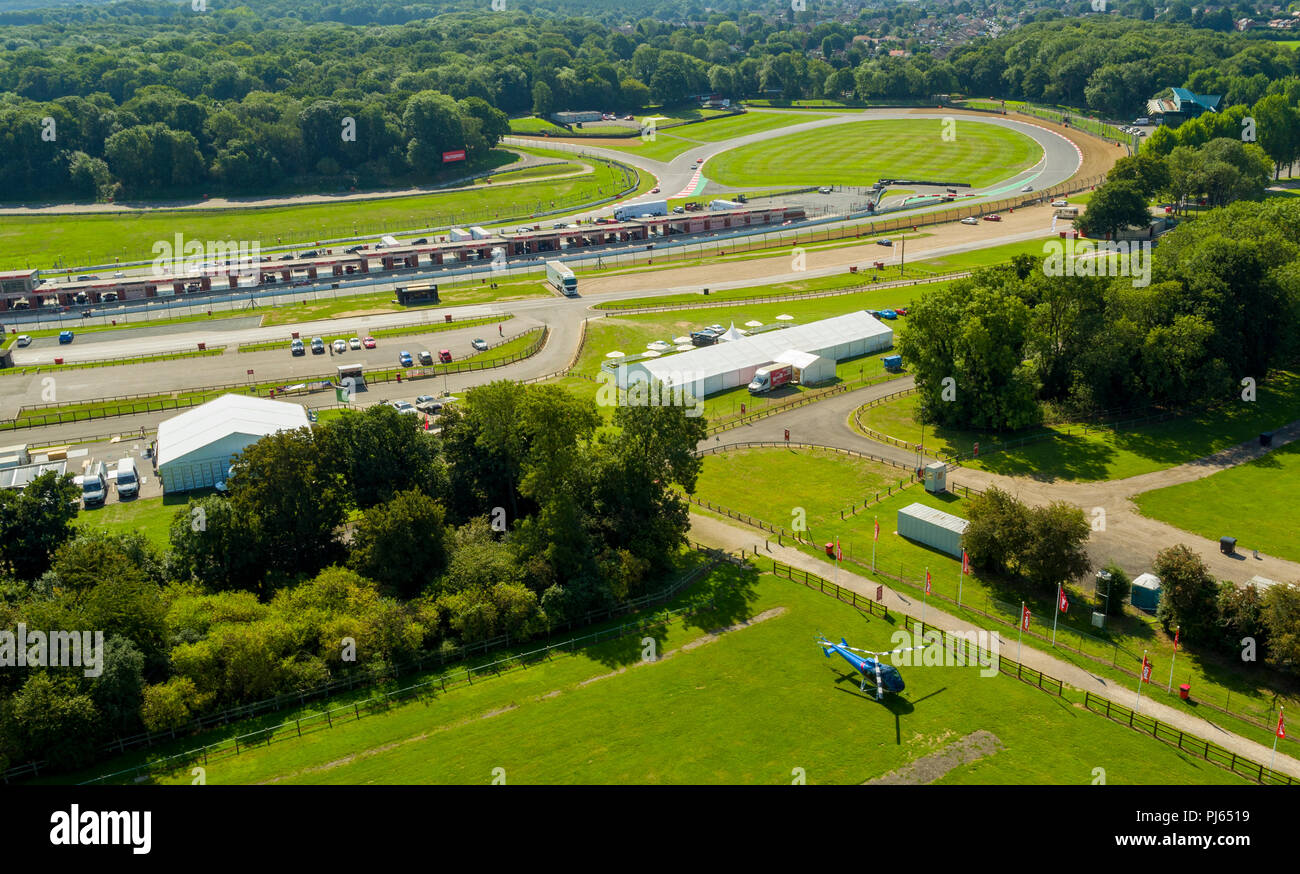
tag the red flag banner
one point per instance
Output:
(1146, 670)
(965, 562)
(455, 155)
(1065, 604)
(927, 582)
(1281, 727)
(839, 550)
(877, 527)
(1176, 632)
(1024, 618)
(880, 593)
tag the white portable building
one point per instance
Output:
(932, 527)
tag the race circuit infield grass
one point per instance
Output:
(739, 694)
(98, 238)
(859, 153)
(1102, 453)
(1255, 502)
(757, 482)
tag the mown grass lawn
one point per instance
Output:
(768, 484)
(95, 238)
(748, 707)
(1103, 454)
(1254, 502)
(151, 517)
(859, 153)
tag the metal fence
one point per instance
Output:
(89, 363)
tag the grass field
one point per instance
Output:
(151, 517)
(1103, 454)
(859, 153)
(1258, 498)
(749, 705)
(757, 482)
(668, 143)
(97, 238)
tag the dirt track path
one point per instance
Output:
(715, 532)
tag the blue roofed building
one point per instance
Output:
(1183, 105)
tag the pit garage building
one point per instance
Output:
(723, 366)
(195, 448)
(933, 528)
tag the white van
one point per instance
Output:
(94, 484)
(128, 478)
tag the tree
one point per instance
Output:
(1188, 595)
(214, 545)
(1282, 619)
(35, 522)
(1148, 172)
(995, 534)
(379, 452)
(1114, 207)
(1241, 615)
(543, 100)
(400, 543)
(1055, 544)
(432, 125)
(1117, 589)
(292, 498)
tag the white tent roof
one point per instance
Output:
(799, 359)
(218, 419)
(1147, 581)
(759, 349)
(732, 334)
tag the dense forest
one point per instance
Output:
(349, 547)
(140, 99)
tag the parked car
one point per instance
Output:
(312, 254)
(431, 406)
(1060, 203)
(24, 340)
(65, 336)
(444, 355)
(369, 342)
(420, 242)
(317, 346)
(297, 348)
(825, 189)
(902, 311)
(678, 210)
(404, 407)
(404, 359)
(355, 342)
(970, 220)
(888, 314)
(425, 357)
(424, 399)
(340, 346)
(480, 344)
(993, 217)
(884, 242)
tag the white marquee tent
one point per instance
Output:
(195, 448)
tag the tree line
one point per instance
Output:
(344, 548)
(152, 98)
(1020, 345)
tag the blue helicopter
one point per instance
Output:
(887, 677)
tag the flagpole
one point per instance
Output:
(924, 597)
(1171, 659)
(1141, 671)
(1020, 633)
(961, 572)
(874, 540)
(1057, 614)
(1279, 722)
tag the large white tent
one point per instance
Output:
(195, 448)
(711, 369)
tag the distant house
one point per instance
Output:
(1183, 105)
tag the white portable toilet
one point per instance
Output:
(936, 477)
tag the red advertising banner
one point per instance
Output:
(458, 155)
